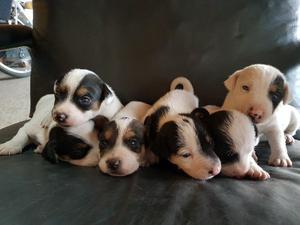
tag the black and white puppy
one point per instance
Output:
(79, 96)
(176, 134)
(234, 136)
(121, 141)
(77, 145)
(262, 92)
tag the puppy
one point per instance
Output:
(77, 145)
(262, 92)
(234, 136)
(121, 141)
(176, 134)
(79, 96)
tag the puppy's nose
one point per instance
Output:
(255, 113)
(61, 117)
(215, 170)
(113, 164)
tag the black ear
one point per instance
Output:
(200, 113)
(105, 92)
(166, 141)
(100, 122)
(150, 131)
(79, 149)
(49, 152)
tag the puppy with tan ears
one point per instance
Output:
(175, 132)
(121, 141)
(261, 92)
(79, 96)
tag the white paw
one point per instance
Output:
(257, 173)
(289, 139)
(9, 149)
(254, 156)
(280, 161)
(39, 149)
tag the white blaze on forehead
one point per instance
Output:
(74, 77)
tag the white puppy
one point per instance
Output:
(175, 132)
(121, 141)
(261, 91)
(79, 96)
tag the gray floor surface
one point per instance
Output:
(14, 99)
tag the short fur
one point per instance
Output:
(262, 92)
(121, 141)
(173, 134)
(79, 96)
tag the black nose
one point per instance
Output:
(61, 117)
(113, 164)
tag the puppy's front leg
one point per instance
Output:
(279, 155)
(16, 144)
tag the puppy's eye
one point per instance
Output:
(103, 144)
(85, 100)
(185, 155)
(133, 143)
(246, 88)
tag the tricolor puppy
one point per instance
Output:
(262, 92)
(77, 145)
(234, 136)
(176, 134)
(79, 96)
(121, 141)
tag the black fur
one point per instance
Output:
(151, 123)
(97, 92)
(65, 145)
(218, 123)
(179, 86)
(276, 92)
(135, 142)
(105, 144)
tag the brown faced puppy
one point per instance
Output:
(121, 141)
(262, 92)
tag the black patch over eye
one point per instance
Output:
(246, 88)
(103, 144)
(276, 92)
(134, 144)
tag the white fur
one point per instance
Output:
(37, 129)
(130, 161)
(277, 126)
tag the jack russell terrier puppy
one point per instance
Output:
(176, 134)
(79, 96)
(234, 136)
(121, 141)
(261, 92)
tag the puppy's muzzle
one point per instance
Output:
(60, 117)
(113, 164)
(256, 114)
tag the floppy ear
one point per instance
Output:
(100, 121)
(200, 113)
(287, 97)
(106, 94)
(231, 80)
(150, 131)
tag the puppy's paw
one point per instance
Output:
(254, 156)
(39, 149)
(289, 139)
(9, 149)
(280, 161)
(257, 173)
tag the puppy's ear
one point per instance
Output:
(49, 152)
(100, 121)
(287, 97)
(231, 81)
(200, 113)
(106, 94)
(149, 133)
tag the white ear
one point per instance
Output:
(288, 97)
(231, 81)
(54, 86)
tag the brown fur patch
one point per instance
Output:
(82, 91)
(61, 89)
